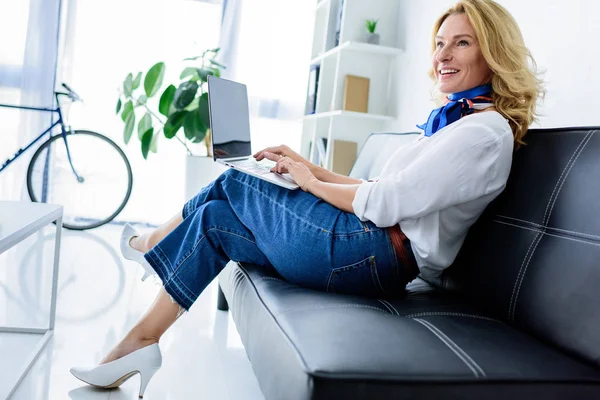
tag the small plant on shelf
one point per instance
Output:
(371, 25)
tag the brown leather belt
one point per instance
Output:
(410, 268)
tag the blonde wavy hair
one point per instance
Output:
(515, 82)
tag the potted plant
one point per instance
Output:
(181, 113)
(371, 36)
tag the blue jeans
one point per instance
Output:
(293, 234)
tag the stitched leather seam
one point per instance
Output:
(549, 228)
(453, 314)
(453, 346)
(390, 305)
(548, 234)
(289, 310)
(589, 137)
(512, 297)
(546, 219)
(386, 306)
(561, 176)
(464, 353)
(512, 316)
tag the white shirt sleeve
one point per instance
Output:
(370, 179)
(461, 167)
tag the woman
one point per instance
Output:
(340, 234)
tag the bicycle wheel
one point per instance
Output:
(105, 184)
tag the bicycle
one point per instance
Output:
(75, 174)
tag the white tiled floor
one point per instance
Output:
(100, 296)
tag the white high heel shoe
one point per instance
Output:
(132, 254)
(145, 361)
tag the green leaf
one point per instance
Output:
(213, 62)
(193, 127)
(118, 106)
(144, 124)
(185, 94)
(166, 99)
(146, 141)
(203, 73)
(217, 73)
(142, 100)
(192, 58)
(173, 123)
(154, 79)
(127, 109)
(189, 71)
(129, 124)
(371, 24)
(193, 105)
(215, 50)
(137, 80)
(203, 110)
(154, 144)
(128, 85)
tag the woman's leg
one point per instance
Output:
(159, 317)
(187, 260)
(147, 241)
(292, 233)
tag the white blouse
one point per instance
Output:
(436, 187)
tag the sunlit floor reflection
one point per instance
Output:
(100, 297)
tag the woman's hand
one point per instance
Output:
(281, 150)
(300, 172)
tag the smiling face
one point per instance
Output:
(458, 63)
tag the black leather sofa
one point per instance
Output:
(517, 316)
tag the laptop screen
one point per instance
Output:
(229, 118)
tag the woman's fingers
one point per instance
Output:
(277, 167)
(261, 154)
(271, 156)
(282, 165)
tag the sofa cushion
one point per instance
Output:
(305, 344)
(533, 258)
(376, 150)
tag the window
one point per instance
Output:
(108, 39)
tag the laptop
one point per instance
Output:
(230, 126)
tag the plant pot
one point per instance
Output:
(199, 172)
(208, 142)
(372, 38)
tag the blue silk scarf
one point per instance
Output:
(457, 105)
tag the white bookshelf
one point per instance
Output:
(351, 57)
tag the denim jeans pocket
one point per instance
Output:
(369, 226)
(360, 278)
(365, 226)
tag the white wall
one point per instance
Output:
(562, 36)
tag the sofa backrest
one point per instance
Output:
(533, 257)
(376, 150)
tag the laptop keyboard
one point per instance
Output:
(256, 167)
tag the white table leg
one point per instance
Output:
(55, 273)
(41, 344)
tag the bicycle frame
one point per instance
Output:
(60, 122)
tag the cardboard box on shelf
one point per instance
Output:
(356, 93)
(344, 155)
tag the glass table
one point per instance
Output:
(18, 221)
